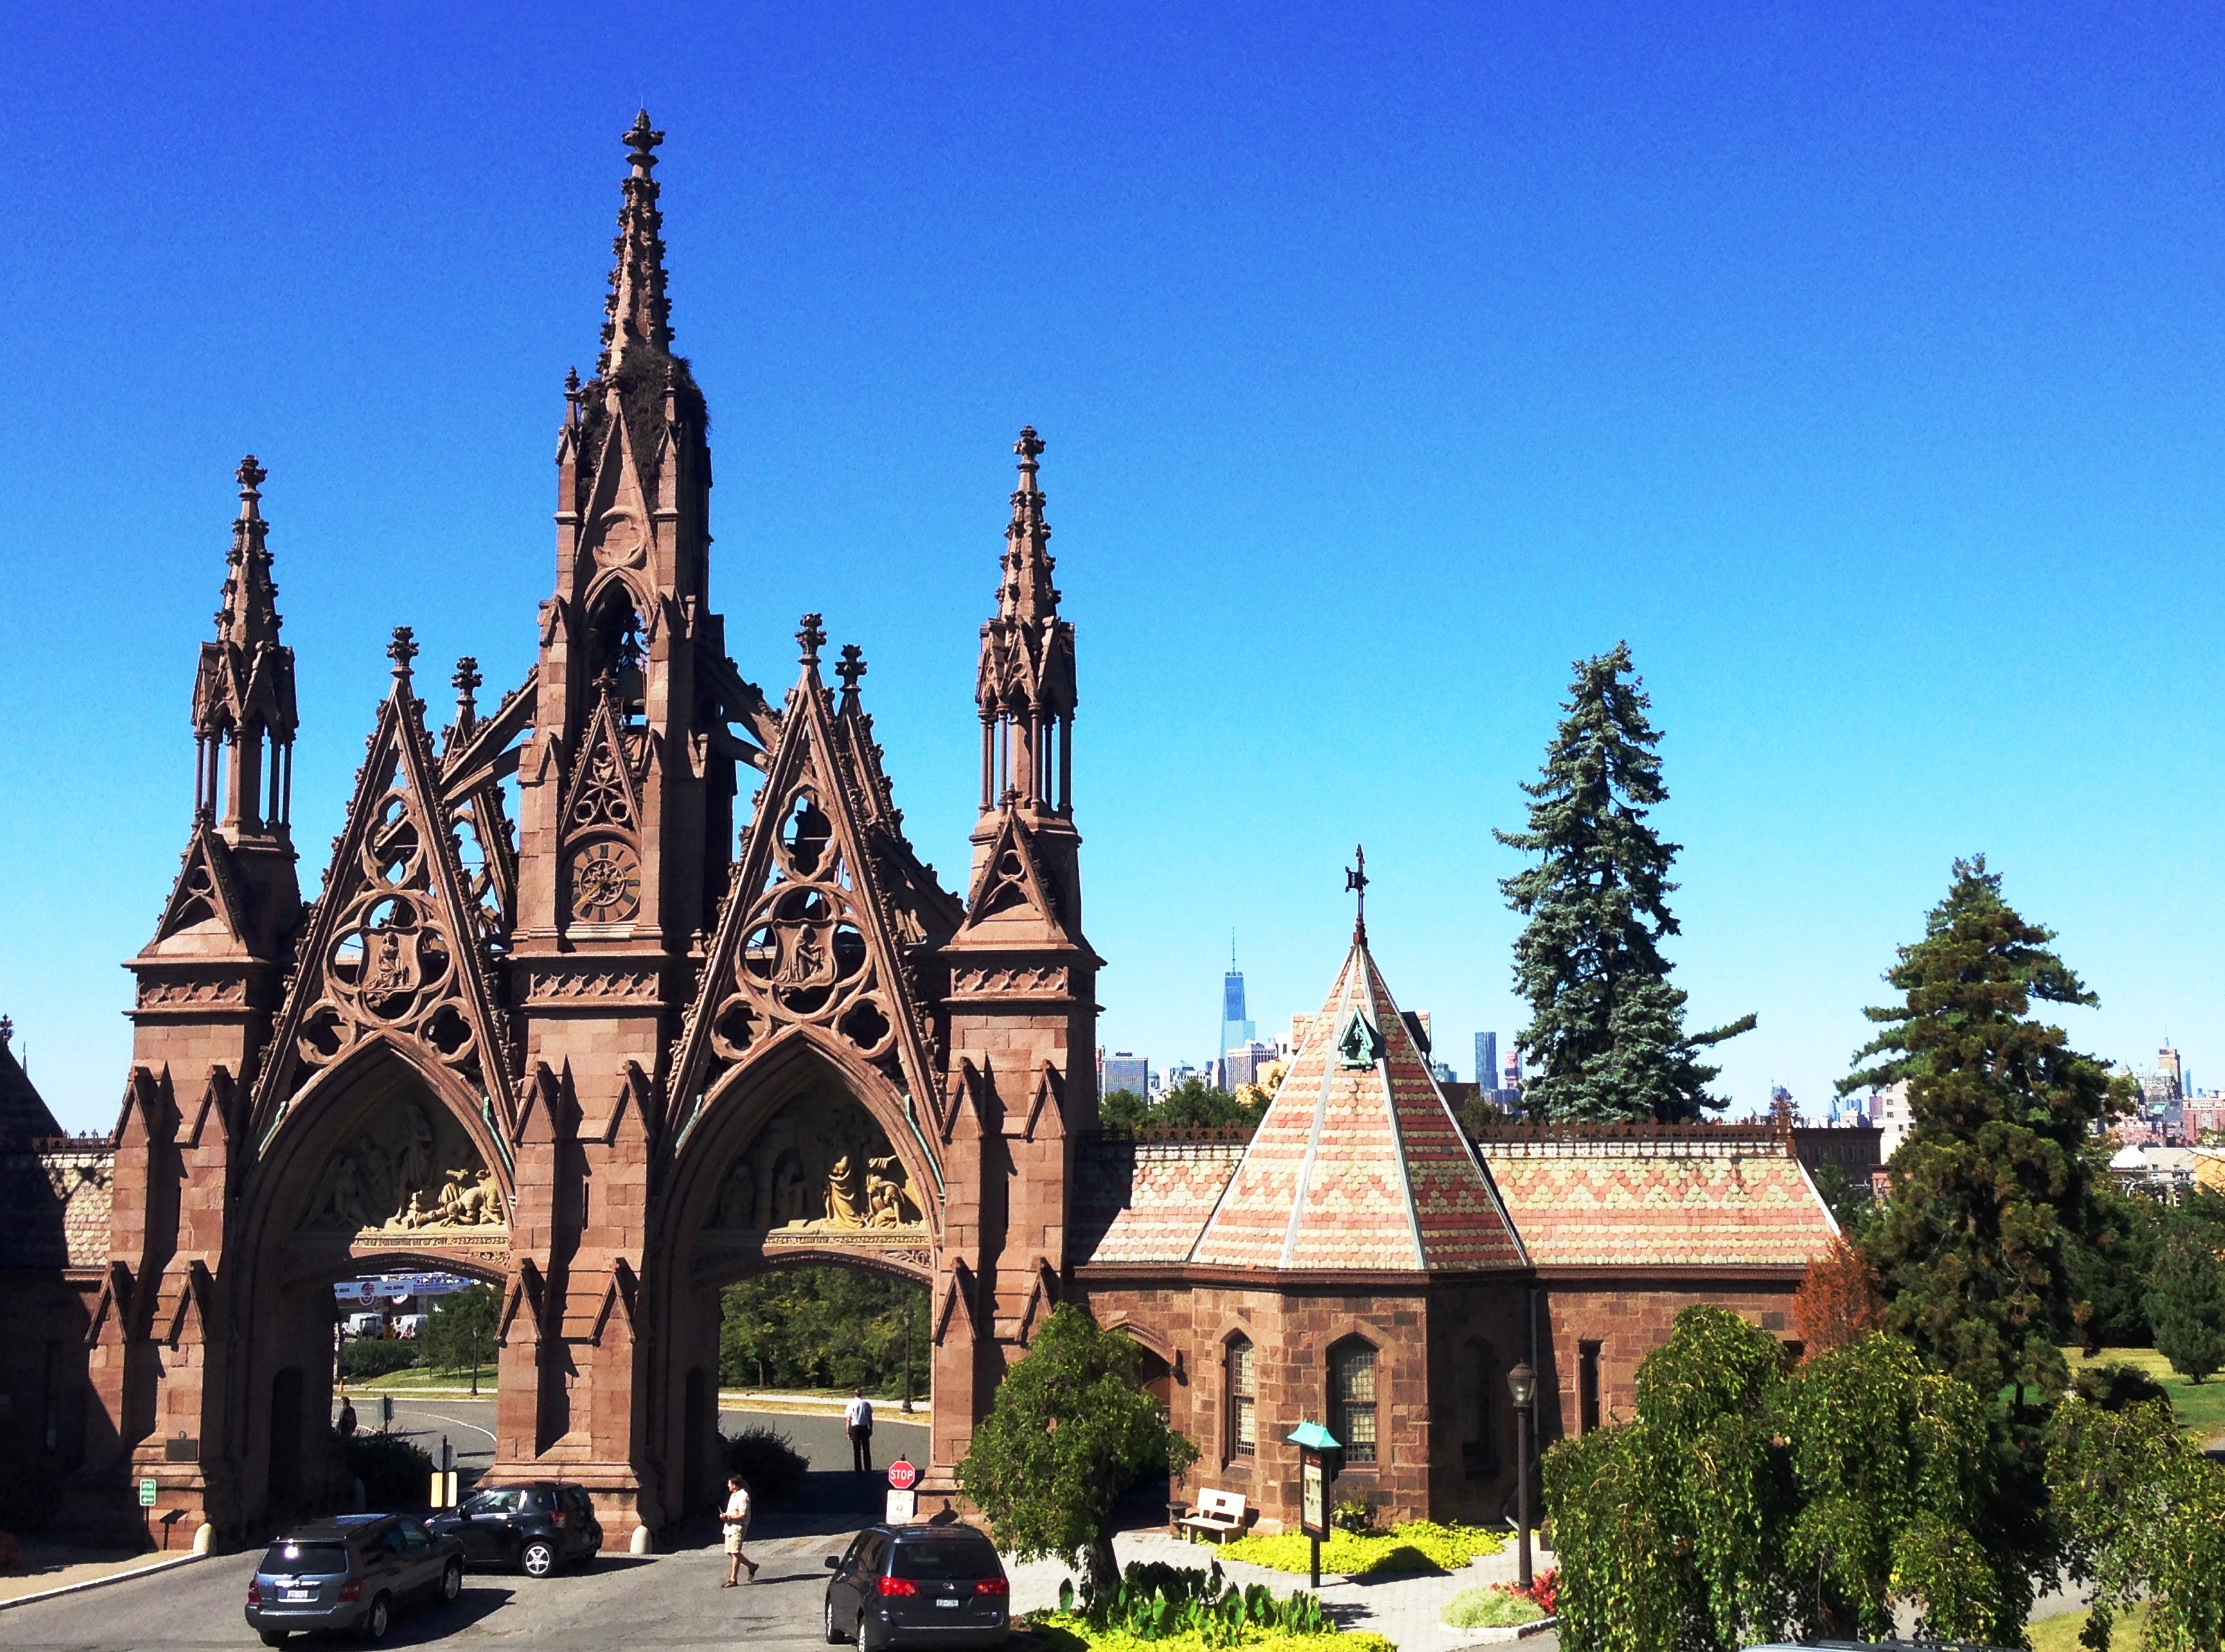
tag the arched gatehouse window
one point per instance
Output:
(1243, 1408)
(1352, 1398)
(614, 644)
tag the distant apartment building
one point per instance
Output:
(1244, 1063)
(1486, 1061)
(1122, 1070)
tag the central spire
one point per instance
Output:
(249, 617)
(638, 316)
(1028, 595)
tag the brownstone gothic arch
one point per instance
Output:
(608, 1004)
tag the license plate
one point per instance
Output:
(950, 1606)
(300, 1594)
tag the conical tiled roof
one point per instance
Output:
(24, 1116)
(1359, 1163)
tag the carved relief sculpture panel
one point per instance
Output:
(819, 1169)
(407, 1168)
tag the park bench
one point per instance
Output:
(1217, 1512)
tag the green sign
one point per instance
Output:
(146, 1494)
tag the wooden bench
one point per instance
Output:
(1217, 1512)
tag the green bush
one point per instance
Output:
(2113, 1387)
(395, 1472)
(363, 1359)
(1413, 1546)
(1155, 1602)
(1063, 1632)
(1489, 1607)
(768, 1459)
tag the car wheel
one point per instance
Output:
(863, 1646)
(834, 1636)
(378, 1619)
(539, 1559)
(274, 1637)
(452, 1581)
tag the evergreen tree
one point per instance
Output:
(1993, 1185)
(2186, 1303)
(1606, 1029)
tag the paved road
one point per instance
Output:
(621, 1602)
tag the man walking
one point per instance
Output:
(735, 1517)
(858, 1417)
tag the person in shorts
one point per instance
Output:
(735, 1517)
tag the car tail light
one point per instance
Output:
(557, 1520)
(351, 1591)
(993, 1587)
(254, 1592)
(898, 1586)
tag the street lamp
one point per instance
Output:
(1522, 1383)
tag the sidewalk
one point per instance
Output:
(47, 1567)
(1404, 1610)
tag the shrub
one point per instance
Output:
(1354, 1515)
(1545, 1589)
(1490, 1606)
(2113, 1387)
(1414, 1546)
(396, 1472)
(1155, 1602)
(363, 1359)
(768, 1459)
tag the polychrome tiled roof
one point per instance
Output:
(1360, 1168)
(1147, 1200)
(1704, 1195)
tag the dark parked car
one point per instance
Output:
(536, 1527)
(351, 1572)
(918, 1586)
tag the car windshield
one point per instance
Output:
(316, 1559)
(495, 1502)
(945, 1558)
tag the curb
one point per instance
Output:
(1513, 1632)
(96, 1583)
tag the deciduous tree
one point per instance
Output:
(1070, 1429)
(458, 1333)
(1606, 1028)
(1838, 1302)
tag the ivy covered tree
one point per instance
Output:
(1992, 1185)
(1607, 1033)
(1070, 1429)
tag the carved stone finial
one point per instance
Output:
(606, 684)
(402, 650)
(251, 476)
(466, 681)
(810, 637)
(642, 140)
(852, 668)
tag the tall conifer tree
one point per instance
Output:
(1606, 1029)
(1991, 1185)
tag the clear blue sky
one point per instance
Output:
(1861, 367)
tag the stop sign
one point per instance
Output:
(902, 1476)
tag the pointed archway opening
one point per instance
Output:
(381, 1167)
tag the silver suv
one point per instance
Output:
(351, 1571)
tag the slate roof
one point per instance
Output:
(1703, 1195)
(1148, 1201)
(1359, 1168)
(55, 1189)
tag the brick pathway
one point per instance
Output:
(1404, 1610)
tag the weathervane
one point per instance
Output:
(1355, 882)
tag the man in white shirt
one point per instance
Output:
(858, 1417)
(735, 1517)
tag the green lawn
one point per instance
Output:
(2061, 1634)
(2201, 1406)
(416, 1377)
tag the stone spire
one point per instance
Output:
(1027, 594)
(244, 710)
(638, 316)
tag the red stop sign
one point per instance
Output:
(902, 1476)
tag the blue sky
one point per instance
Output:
(1860, 366)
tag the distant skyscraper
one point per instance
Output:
(1120, 1070)
(1486, 1061)
(1236, 1032)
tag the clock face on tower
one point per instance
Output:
(605, 883)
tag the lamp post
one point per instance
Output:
(1522, 1385)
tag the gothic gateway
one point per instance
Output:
(636, 1043)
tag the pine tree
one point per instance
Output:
(1991, 1187)
(1606, 1029)
(2186, 1302)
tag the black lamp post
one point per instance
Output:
(1522, 1383)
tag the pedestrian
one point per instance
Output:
(346, 1424)
(858, 1417)
(735, 1517)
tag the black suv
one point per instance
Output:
(537, 1527)
(351, 1572)
(918, 1586)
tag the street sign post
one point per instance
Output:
(902, 1476)
(147, 1489)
